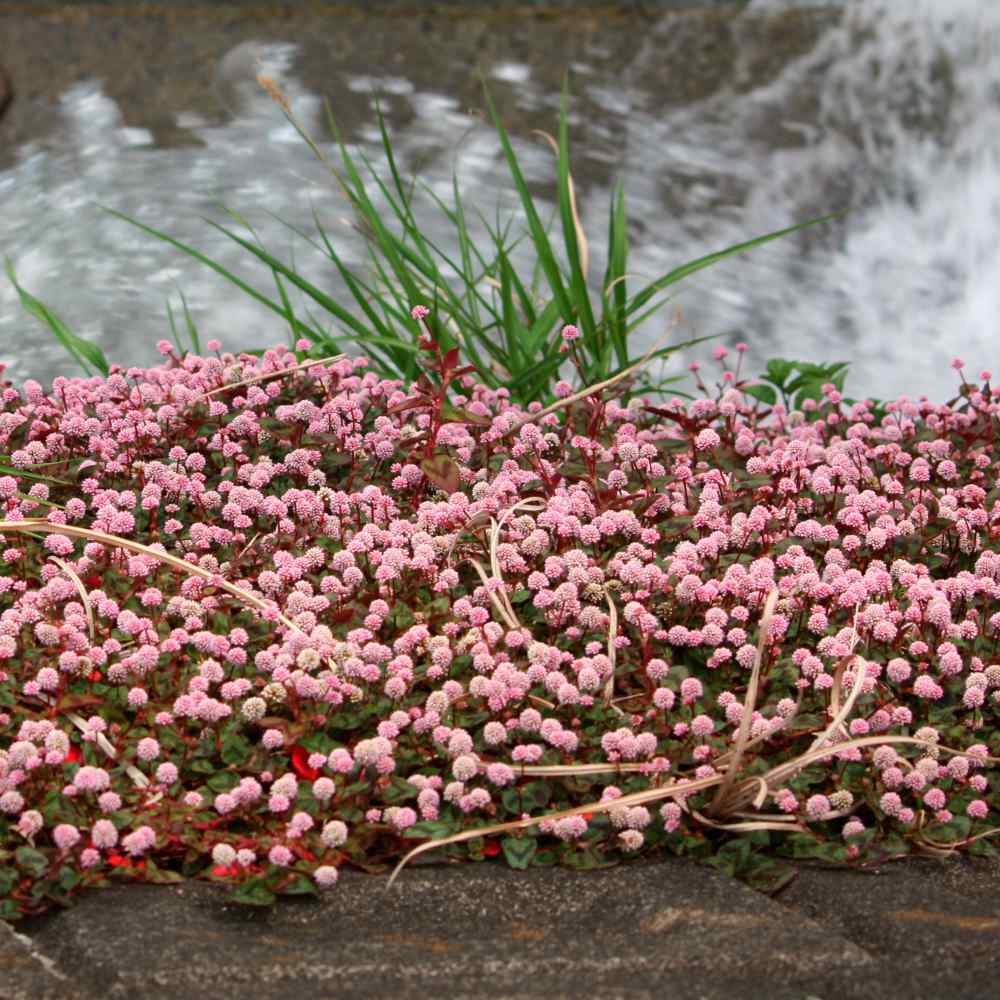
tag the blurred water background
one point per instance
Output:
(725, 122)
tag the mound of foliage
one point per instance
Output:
(261, 618)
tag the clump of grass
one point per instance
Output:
(506, 323)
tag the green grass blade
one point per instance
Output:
(541, 328)
(173, 327)
(218, 268)
(466, 247)
(578, 280)
(25, 474)
(86, 353)
(287, 305)
(316, 294)
(614, 275)
(713, 258)
(543, 247)
(363, 205)
(514, 332)
(525, 300)
(191, 327)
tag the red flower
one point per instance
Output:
(120, 861)
(226, 871)
(95, 676)
(73, 756)
(300, 764)
(492, 847)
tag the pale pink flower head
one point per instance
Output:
(280, 856)
(334, 833)
(326, 876)
(65, 836)
(103, 834)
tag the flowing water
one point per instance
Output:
(892, 111)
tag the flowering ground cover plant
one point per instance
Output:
(261, 618)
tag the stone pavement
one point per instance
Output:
(917, 929)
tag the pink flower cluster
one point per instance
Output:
(356, 651)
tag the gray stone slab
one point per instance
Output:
(475, 930)
(28, 974)
(912, 930)
(936, 925)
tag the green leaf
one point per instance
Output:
(161, 876)
(519, 851)
(223, 781)
(589, 859)
(762, 392)
(31, 861)
(253, 892)
(299, 885)
(536, 796)
(732, 857)
(8, 879)
(236, 751)
(399, 790)
(778, 369)
(69, 878)
(768, 875)
(430, 830)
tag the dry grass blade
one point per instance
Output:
(274, 91)
(267, 376)
(609, 688)
(947, 850)
(31, 524)
(138, 778)
(81, 590)
(840, 715)
(843, 713)
(769, 823)
(782, 772)
(719, 803)
(674, 790)
(500, 595)
(502, 608)
(576, 770)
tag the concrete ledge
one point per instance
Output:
(27, 974)
(914, 930)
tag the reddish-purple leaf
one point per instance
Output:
(450, 359)
(443, 472)
(407, 404)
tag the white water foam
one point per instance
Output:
(898, 120)
(894, 114)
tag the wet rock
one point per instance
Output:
(6, 91)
